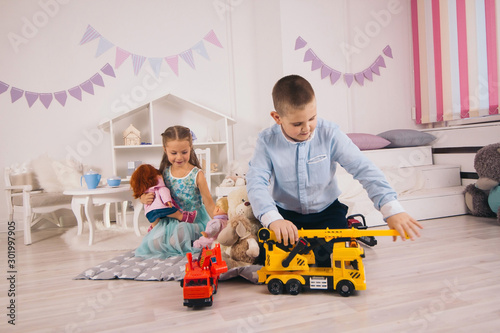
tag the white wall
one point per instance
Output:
(258, 38)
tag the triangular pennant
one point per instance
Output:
(212, 38)
(380, 61)
(374, 68)
(325, 71)
(108, 70)
(97, 80)
(173, 62)
(348, 77)
(388, 51)
(335, 76)
(200, 49)
(155, 64)
(103, 46)
(15, 94)
(137, 61)
(309, 55)
(367, 73)
(31, 97)
(359, 78)
(88, 87)
(316, 63)
(299, 43)
(90, 34)
(46, 99)
(187, 56)
(61, 97)
(3, 87)
(76, 92)
(121, 56)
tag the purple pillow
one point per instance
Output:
(368, 141)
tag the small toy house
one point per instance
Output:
(132, 136)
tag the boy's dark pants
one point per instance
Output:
(333, 217)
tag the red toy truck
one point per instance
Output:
(202, 277)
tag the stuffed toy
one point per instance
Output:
(483, 197)
(239, 241)
(236, 177)
(214, 226)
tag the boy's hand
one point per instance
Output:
(286, 230)
(147, 198)
(404, 224)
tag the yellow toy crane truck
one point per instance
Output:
(291, 269)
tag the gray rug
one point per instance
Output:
(128, 266)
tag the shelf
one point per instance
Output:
(200, 144)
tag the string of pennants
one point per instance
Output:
(335, 75)
(60, 96)
(155, 62)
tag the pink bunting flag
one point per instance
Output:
(380, 61)
(359, 78)
(76, 92)
(367, 73)
(325, 71)
(46, 99)
(121, 56)
(90, 34)
(334, 76)
(349, 78)
(173, 63)
(388, 51)
(309, 55)
(97, 80)
(187, 56)
(212, 38)
(3, 87)
(31, 97)
(61, 97)
(88, 87)
(316, 63)
(300, 43)
(374, 68)
(15, 94)
(108, 70)
(137, 61)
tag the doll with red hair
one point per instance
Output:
(147, 179)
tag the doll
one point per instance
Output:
(147, 178)
(215, 225)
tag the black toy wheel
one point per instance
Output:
(345, 288)
(264, 234)
(275, 286)
(293, 287)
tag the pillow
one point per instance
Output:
(47, 177)
(407, 138)
(368, 141)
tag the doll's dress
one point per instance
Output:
(171, 237)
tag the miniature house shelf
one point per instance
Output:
(210, 127)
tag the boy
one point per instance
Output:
(297, 158)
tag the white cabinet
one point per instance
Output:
(211, 128)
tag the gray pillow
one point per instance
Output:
(407, 138)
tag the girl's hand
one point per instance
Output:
(147, 198)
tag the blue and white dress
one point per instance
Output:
(171, 237)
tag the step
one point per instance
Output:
(400, 157)
(423, 177)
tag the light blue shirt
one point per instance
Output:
(300, 176)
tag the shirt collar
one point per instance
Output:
(295, 142)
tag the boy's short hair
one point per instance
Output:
(291, 91)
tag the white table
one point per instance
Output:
(103, 195)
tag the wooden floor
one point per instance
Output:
(447, 281)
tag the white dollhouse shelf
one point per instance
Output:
(211, 128)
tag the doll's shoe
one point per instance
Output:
(189, 217)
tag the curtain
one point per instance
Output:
(455, 59)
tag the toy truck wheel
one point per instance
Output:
(293, 287)
(275, 286)
(345, 288)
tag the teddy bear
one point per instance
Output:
(239, 240)
(483, 197)
(214, 226)
(237, 175)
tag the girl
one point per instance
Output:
(145, 179)
(181, 172)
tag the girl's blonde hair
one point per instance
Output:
(178, 133)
